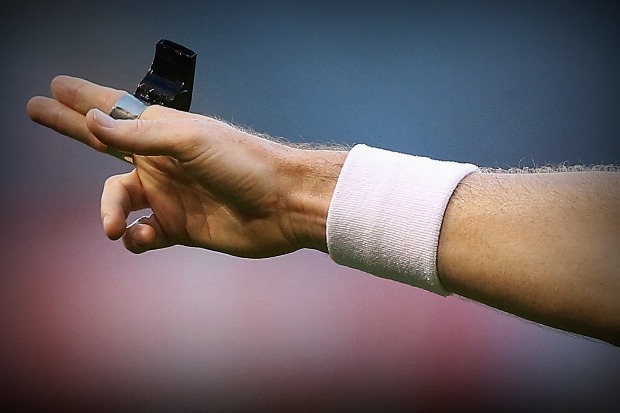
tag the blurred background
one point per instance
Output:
(86, 325)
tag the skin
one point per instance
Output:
(540, 246)
(208, 184)
(546, 248)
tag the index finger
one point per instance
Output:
(82, 95)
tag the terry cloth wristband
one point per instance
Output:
(386, 214)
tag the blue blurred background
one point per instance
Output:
(86, 325)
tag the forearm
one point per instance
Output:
(541, 246)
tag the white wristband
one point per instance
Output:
(386, 214)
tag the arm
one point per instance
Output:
(542, 247)
(545, 247)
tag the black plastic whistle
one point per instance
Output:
(170, 80)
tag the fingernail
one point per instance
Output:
(103, 119)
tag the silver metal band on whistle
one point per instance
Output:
(126, 107)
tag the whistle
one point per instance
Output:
(169, 82)
(170, 79)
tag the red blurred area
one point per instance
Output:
(87, 326)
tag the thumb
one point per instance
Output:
(171, 137)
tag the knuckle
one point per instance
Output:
(139, 125)
(112, 181)
(154, 112)
(78, 95)
(195, 128)
(191, 137)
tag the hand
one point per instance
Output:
(207, 183)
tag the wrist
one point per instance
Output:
(386, 213)
(314, 174)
